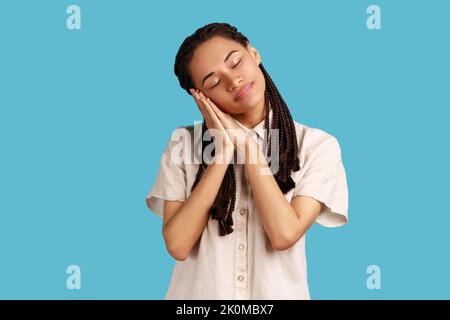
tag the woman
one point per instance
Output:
(253, 247)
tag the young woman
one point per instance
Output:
(237, 228)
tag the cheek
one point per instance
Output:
(252, 72)
(226, 106)
(260, 81)
(257, 77)
(225, 100)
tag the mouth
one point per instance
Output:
(244, 91)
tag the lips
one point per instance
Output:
(244, 91)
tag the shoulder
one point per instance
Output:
(314, 140)
(190, 135)
(184, 134)
(182, 130)
(183, 141)
(190, 130)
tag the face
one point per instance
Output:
(221, 67)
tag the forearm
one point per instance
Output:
(187, 224)
(276, 214)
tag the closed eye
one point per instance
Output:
(219, 79)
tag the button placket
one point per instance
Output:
(241, 242)
(246, 179)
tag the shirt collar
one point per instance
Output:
(259, 128)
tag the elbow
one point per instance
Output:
(179, 256)
(280, 246)
(287, 237)
(177, 251)
(283, 242)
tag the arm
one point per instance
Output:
(184, 223)
(284, 223)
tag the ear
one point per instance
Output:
(254, 53)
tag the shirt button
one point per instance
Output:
(241, 247)
(247, 181)
(242, 211)
(241, 278)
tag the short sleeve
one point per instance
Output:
(170, 183)
(323, 178)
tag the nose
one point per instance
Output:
(236, 83)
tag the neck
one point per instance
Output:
(251, 118)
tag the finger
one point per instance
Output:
(200, 105)
(220, 114)
(210, 112)
(202, 100)
(224, 117)
(207, 103)
(214, 117)
(217, 120)
(216, 109)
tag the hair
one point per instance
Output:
(224, 203)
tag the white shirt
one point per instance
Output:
(243, 264)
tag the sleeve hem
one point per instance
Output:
(155, 202)
(330, 216)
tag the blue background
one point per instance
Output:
(85, 116)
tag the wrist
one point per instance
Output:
(224, 155)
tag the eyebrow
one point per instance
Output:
(225, 60)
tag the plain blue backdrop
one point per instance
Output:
(85, 115)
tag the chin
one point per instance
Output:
(243, 109)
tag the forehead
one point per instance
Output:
(210, 54)
(215, 48)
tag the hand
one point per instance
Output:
(238, 135)
(247, 147)
(218, 133)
